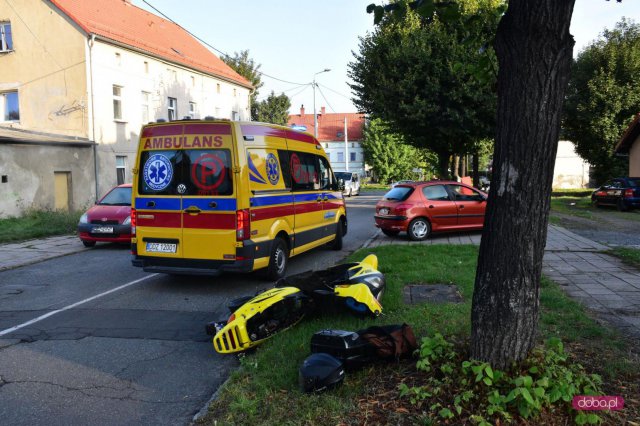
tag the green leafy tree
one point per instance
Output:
(603, 97)
(241, 63)
(413, 73)
(274, 109)
(390, 157)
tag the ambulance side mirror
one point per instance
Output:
(340, 184)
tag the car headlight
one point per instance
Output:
(84, 218)
(127, 221)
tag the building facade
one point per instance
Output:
(79, 78)
(570, 170)
(629, 145)
(340, 135)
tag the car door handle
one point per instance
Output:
(462, 207)
(151, 203)
(319, 199)
(192, 210)
(325, 199)
(431, 206)
(213, 204)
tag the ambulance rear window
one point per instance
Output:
(197, 172)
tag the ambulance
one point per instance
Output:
(212, 196)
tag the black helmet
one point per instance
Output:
(320, 372)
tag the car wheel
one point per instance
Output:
(337, 242)
(621, 205)
(89, 243)
(278, 260)
(390, 233)
(419, 229)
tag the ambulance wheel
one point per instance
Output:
(89, 243)
(337, 242)
(278, 260)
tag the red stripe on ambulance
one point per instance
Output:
(271, 212)
(210, 221)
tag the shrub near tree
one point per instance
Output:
(389, 156)
(603, 97)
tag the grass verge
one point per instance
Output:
(37, 224)
(630, 256)
(264, 391)
(575, 206)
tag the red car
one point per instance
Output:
(420, 208)
(109, 220)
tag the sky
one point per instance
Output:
(295, 40)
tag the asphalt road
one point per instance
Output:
(106, 343)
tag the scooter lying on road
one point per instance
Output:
(355, 287)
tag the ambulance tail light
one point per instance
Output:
(243, 225)
(134, 221)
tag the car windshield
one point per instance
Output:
(634, 182)
(399, 193)
(117, 197)
(343, 175)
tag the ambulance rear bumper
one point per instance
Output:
(192, 266)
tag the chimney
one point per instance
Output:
(302, 110)
(322, 110)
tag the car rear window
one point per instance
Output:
(196, 172)
(399, 193)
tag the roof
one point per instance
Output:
(120, 21)
(18, 136)
(331, 126)
(629, 136)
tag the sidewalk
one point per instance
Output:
(13, 255)
(600, 282)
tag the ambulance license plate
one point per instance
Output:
(102, 230)
(161, 248)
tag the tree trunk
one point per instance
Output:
(534, 50)
(456, 167)
(476, 164)
(443, 165)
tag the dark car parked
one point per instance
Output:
(420, 208)
(624, 193)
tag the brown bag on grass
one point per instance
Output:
(391, 341)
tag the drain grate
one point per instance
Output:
(432, 293)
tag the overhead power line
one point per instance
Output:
(210, 46)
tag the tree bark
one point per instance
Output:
(455, 167)
(534, 49)
(443, 165)
(476, 164)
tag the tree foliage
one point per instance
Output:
(241, 63)
(414, 73)
(274, 109)
(603, 97)
(390, 157)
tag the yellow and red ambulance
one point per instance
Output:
(212, 196)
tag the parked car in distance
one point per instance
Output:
(109, 220)
(420, 208)
(624, 193)
(351, 182)
(393, 184)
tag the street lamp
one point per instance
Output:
(315, 116)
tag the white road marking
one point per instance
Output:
(66, 308)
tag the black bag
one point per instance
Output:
(347, 346)
(391, 341)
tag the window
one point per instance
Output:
(218, 88)
(173, 109)
(192, 109)
(304, 171)
(234, 115)
(118, 59)
(9, 106)
(6, 40)
(117, 102)
(352, 156)
(462, 193)
(120, 168)
(144, 103)
(326, 177)
(193, 81)
(217, 112)
(173, 74)
(435, 193)
(234, 93)
(146, 67)
(340, 157)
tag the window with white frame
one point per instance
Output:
(172, 110)
(9, 106)
(117, 102)
(352, 156)
(217, 87)
(144, 104)
(6, 39)
(193, 108)
(118, 59)
(340, 157)
(121, 166)
(146, 67)
(217, 112)
(234, 115)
